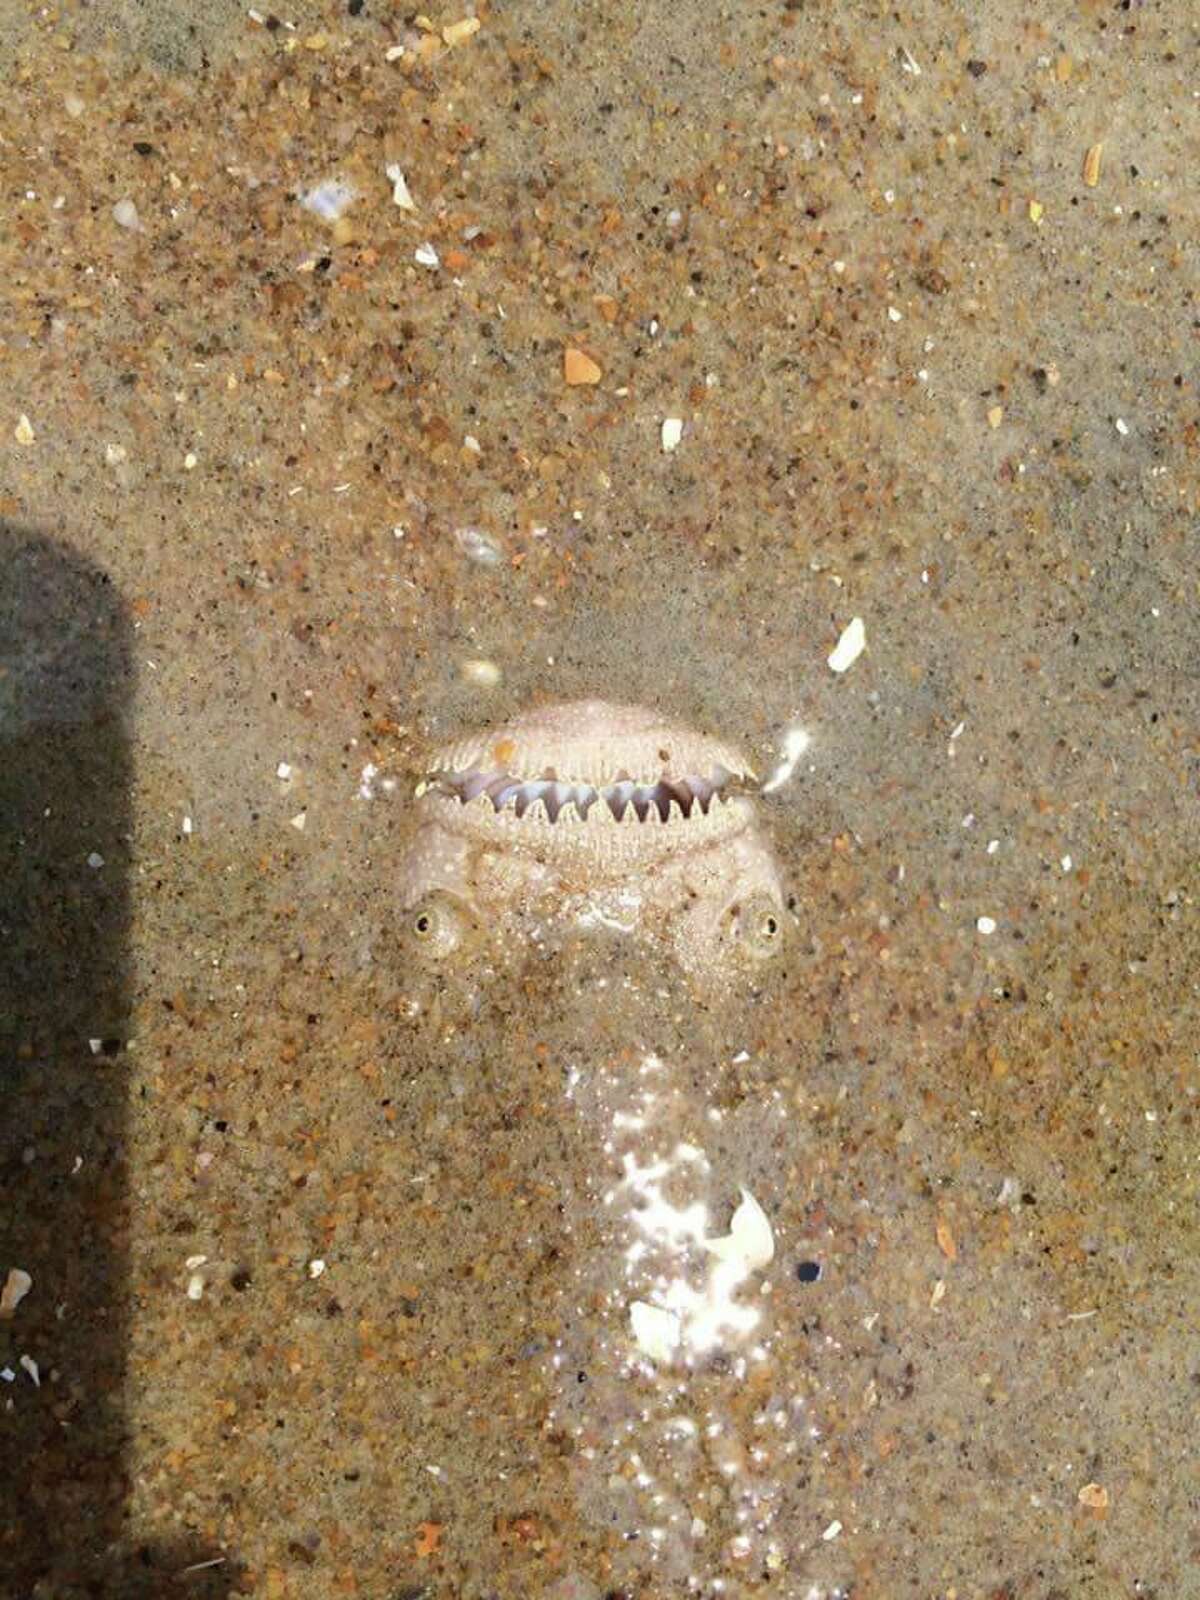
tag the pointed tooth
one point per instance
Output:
(584, 798)
(555, 798)
(471, 785)
(678, 794)
(642, 802)
(618, 796)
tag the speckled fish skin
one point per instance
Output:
(615, 812)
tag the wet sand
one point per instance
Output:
(289, 497)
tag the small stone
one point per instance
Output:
(579, 368)
(672, 433)
(189, 461)
(1094, 1496)
(95, 860)
(23, 432)
(1036, 211)
(426, 256)
(478, 546)
(16, 1286)
(459, 32)
(316, 41)
(125, 214)
(986, 925)
(995, 416)
(73, 105)
(1091, 165)
(483, 674)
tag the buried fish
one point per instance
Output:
(613, 814)
(665, 1398)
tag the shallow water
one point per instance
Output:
(319, 1236)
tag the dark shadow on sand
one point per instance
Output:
(66, 678)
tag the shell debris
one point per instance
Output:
(849, 647)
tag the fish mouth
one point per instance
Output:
(661, 800)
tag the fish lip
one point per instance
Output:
(591, 743)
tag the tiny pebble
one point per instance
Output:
(16, 1286)
(986, 924)
(283, 770)
(328, 200)
(995, 416)
(195, 1288)
(23, 432)
(457, 32)
(316, 1268)
(1122, 426)
(95, 860)
(672, 433)
(299, 820)
(894, 315)
(483, 674)
(832, 1531)
(73, 105)
(426, 256)
(125, 214)
(31, 1367)
(478, 546)
(579, 368)
(187, 825)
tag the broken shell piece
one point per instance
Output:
(849, 647)
(749, 1241)
(400, 190)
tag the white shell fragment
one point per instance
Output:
(656, 1331)
(672, 433)
(426, 256)
(749, 1242)
(400, 190)
(849, 647)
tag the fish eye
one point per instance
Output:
(758, 927)
(436, 926)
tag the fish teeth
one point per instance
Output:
(665, 800)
